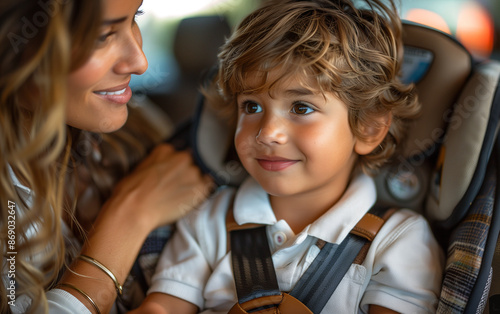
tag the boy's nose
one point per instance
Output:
(272, 131)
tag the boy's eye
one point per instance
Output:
(302, 109)
(251, 107)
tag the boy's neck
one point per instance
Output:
(299, 211)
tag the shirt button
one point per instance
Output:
(279, 238)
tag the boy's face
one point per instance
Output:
(295, 140)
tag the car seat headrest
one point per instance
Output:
(213, 148)
(466, 148)
(439, 66)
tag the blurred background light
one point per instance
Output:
(428, 18)
(469, 21)
(475, 29)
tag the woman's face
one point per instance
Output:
(99, 90)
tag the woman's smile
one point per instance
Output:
(120, 94)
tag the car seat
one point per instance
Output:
(446, 170)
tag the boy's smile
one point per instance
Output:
(275, 163)
(296, 141)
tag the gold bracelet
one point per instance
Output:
(90, 260)
(94, 305)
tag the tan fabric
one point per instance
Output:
(462, 145)
(439, 87)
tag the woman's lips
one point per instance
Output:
(119, 96)
(275, 164)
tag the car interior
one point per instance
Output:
(447, 170)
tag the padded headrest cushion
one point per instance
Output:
(467, 146)
(213, 148)
(449, 66)
(439, 66)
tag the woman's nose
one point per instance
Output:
(133, 60)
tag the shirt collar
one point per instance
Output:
(252, 205)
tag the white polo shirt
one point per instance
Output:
(402, 270)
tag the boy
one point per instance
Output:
(318, 106)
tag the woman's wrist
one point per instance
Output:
(125, 215)
(114, 242)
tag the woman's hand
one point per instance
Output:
(163, 188)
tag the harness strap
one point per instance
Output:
(322, 277)
(254, 272)
(320, 280)
(253, 267)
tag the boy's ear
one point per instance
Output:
(373, 136)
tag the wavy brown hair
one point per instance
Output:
(350, 50)
(40, 43)
(69, 171)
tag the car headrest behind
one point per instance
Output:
(439, 65)
(197, 41)
(466, 149)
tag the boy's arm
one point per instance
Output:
(160, 303)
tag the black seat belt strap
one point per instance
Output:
(320, 280)
(253, 267)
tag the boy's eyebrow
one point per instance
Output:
(289, 92)
(299, 92)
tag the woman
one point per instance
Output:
(65, 67)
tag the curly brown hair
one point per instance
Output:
(354, 52)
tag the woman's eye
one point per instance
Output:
(251, 107)
(302, 109)
(101, 40)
